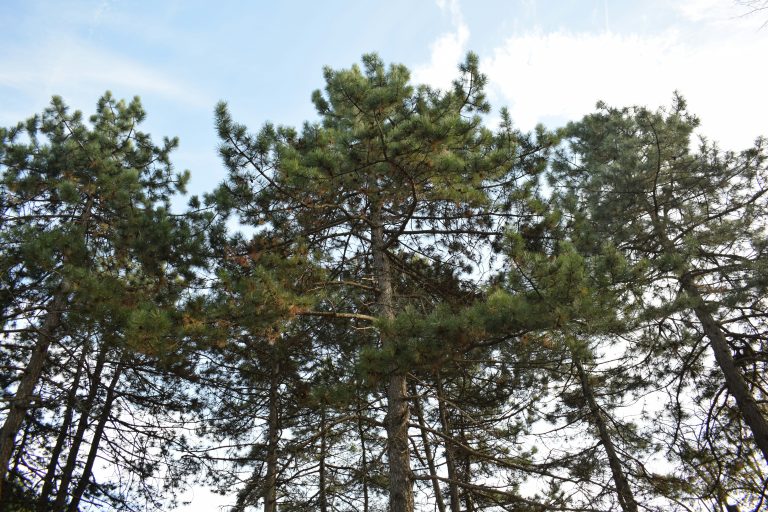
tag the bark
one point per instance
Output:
(364, 453)
(98, 433)
(400, 482)
(273, 436)
(734, 380)
(29, 380)
(398, 452)
(428, 454)
(623, 490)
(50, 474)
(323, 497)
(14, 470)
(68, 470)
(450, 460)
(466, 473)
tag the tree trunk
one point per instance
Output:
(82, 425)
(734, 380)
(24, 394)
(400, 483)
(398, 453)
(450, 460)
(50, 474)
(85, 478)
(466, 473)
(428, 453)
(14, 469)
(273, 436)
(623, 490)
(364, 452)
(323, 497)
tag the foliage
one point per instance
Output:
(416, 319)
(94, 268)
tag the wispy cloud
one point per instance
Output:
(71, 67)
(733, 14)
(447, 51)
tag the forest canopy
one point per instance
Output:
(418, 311)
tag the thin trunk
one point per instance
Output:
(466, 473)
(24, 394)
(428, 453)
(85, 478)
(400, 481)
(68, 470)
(364, 452)
(450, 461)
(50, 474)
(323, 498)
(273, 433)
(623, 490)
(734, 380)
(20, 452)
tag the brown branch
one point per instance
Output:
(333, 314)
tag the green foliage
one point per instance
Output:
(691, 223)
(394, 193)
(17, 498)
(85, 222)
(360, 288)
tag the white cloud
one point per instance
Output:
(561, 75)
(447, 51)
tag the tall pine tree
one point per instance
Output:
(91, 256)
(696, 218)
(392, 171)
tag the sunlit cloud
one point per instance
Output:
(447, 51)
(561, 75)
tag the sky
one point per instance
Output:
(548, 61)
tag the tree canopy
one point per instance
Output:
(393, 307)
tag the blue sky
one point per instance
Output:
(549, 61)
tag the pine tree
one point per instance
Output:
(696, 218)
(90, 252)
(393, 173)
(589, 303)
